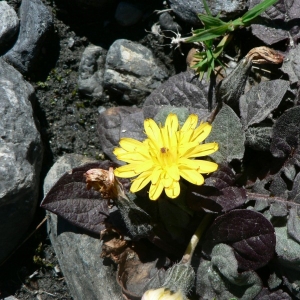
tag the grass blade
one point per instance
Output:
(206, 7)
(256, 11)
(210, 21)
(208, 34)
(220, 47)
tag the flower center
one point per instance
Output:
(166, 157)
(164, 150)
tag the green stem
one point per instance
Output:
(188, 254)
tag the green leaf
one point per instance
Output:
(256, 11)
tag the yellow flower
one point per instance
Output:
(162, 294)
(165, 155)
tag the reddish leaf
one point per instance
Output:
(140, 269)
(286, 133)
(70, 199)
(249, 233)
(217, 194)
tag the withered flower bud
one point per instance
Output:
(104, 182)
(162, 294)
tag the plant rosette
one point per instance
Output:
(175, 201)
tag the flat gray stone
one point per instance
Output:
(35, 24)
(78, 253)
(131, 71)
(187, 10)
(9, 24)
(91, 70)
(20, 156)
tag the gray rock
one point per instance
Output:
(20, 157)
(131, 71)
(91, 70)
(9, 24)
(187, 10)
(78, 252)
(36, 23)
(127, 14)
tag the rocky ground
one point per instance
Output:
(67, 123)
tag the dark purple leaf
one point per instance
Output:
(278, 209)
(277, 23)
(70, 199)
(249, 233)
(291, 64)
(293, 224)
(286, 133)
(141, 268)
(181, 90)
(287, 250)
(259, 138)
(261, 100)
(217, 194)
(228, 131)
(118, 122)
(220, 278)
(269, 33)
(265, 294)
(278, 186)
(294, 194)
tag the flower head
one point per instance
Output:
(167, 154)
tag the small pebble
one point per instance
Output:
(71, 43)
(101, 109)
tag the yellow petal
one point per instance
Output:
(155, 190)
(206, 167)
(173, 191)
(199, 150)
(192, 176)
(190, 123)
(130, 144)
(132, 170)
(167, 181)
(201, 166)
(134, 157)
(169, 131)
(153, 133)
(118, 151)
(171, 124)
(185, 137)
(156, 173)
(201, 132)
(165, 138)
(173, 172)
(186, 147)
(141, 181)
